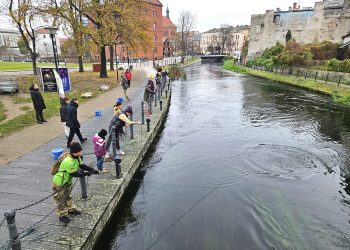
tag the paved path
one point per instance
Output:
(22, 142)
(27, 179)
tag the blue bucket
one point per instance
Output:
(56, 152)
(120, 99)
(98, 112)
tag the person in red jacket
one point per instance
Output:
(128, 76)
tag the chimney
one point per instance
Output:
(295, 6)
(290, 8)
(278, 10)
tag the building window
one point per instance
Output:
(154, 13)
(44, 36)
(276, 18)
(155, 38)
(154, 26)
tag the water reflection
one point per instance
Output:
(242, 163)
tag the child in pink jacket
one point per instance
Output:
(100, 149)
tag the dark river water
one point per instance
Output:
(242, 163)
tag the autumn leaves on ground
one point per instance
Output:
(24, 113)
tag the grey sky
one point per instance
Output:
(210, 14)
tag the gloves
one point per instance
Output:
(95, 171)
(88, 173)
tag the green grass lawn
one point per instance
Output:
(2, 112)
(7, 66)
(81, 83)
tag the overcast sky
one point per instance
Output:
(210, 14)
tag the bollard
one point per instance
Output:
(161, 105)
(143, 112)
(83, 187)
(168, 86)
(166, 93)
(148, 124)
(305, 74)
(316, 76)
(118, 170)
(10, 216)
(155, 98)
(131, 129)
(327, 78)
(339, 80)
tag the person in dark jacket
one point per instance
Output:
(72, 122)
(38, 103)
(63, 113)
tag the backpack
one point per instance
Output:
(57, 164)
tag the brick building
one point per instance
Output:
(153, 14)
(169, 35)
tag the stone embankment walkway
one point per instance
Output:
(24, 141)
(28, 179)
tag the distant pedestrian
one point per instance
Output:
(100, 149)
(38, 103)
(63, 113)
(128, 76)
(125, 85)
(119, 122)
(72, 122)
(149, 91)
(62, 181)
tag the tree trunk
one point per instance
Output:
(80, 62)
(111, 53)
(103, 70)
(34, 63)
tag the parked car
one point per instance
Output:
(8, 85)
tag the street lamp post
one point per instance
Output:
(52, 30)
(154, 64)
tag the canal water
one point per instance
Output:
(242, 163)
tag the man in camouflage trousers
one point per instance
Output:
(62, 181)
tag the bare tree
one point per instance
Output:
(187, 22)
(25, 17)
(225, 30)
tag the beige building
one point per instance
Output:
(327, 21)
(212, 41)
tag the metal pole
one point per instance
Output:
(148, 124)
(114, 144)
(150, 103)
(10, 216)
(327, 77)
(316, 76)
(116, 61)
(131, 129)
(339, 80)
(83, 187)
(53, 50)
(155, 97)
(161, 105)
(166, 93)
(143, 112)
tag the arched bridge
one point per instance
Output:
(212, 58)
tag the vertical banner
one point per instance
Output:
(64, 74)
(50, 80)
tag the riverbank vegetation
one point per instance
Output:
(339, 94)
(316, 55)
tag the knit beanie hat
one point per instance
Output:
(129, 109)
(75, 147)
(102, 133)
